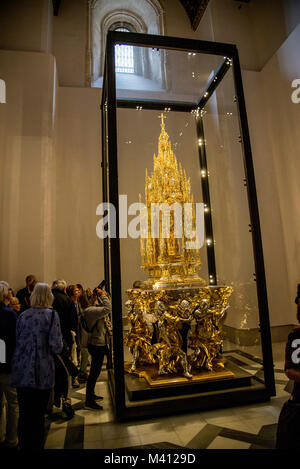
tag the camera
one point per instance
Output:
(101, 286)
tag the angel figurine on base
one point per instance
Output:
(139, 337)
(168, 348)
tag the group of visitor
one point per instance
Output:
(48, 336)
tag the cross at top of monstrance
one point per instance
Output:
(165, 256)
(162, 117)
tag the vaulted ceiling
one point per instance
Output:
(195, 10)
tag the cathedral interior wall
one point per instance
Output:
(26, 25)
(50, 143)
(69, 42)
(27, 165)
(79, 252)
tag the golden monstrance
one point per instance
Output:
(175, 318)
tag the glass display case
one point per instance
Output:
(182, 244)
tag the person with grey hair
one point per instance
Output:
(38, 338)
(3, 282)
(59, 284)
(8, 320)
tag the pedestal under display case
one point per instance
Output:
(182, 244)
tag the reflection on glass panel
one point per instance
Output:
(165, 75)
(230, 215)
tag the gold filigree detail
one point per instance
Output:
(166, 258)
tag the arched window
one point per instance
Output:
(137, 16)
(124, 58)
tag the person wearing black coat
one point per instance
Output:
(63, 305)
(23, 295)
(8, 320)
(66, 311)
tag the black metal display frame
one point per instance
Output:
(112, 260)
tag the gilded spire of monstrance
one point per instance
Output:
(162, 117)
(164, 254)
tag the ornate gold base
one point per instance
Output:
(150, 374)
(178, 282)
(172, 295)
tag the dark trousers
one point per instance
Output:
(288, 428)
(97, 354)
(32, 408)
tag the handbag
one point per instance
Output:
(289, 386)
(84, 333)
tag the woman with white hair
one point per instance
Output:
(38, 337)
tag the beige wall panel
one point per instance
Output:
(79, 253)
(69, 42)
(282, 126)
(27, 176)
(26, 25)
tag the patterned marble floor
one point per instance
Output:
(246, 427)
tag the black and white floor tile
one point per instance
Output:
(246, 427)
